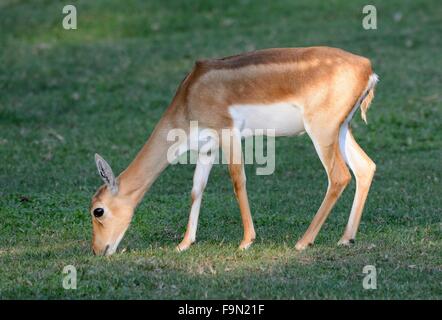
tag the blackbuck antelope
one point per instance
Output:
(315, 90)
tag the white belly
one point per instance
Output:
(284, 118)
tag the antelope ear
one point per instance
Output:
(106, 174)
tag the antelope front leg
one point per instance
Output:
(200, 177)
(239, 183)
(233, 153)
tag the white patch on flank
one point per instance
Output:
(343, 131)
(284, 118)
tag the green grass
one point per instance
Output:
(65, 95)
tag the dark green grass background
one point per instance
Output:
(65, 95)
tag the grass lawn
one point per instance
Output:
(65, 95)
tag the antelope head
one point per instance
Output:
(111, 212)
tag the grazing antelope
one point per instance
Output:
(315, 90)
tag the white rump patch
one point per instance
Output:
(343, 131)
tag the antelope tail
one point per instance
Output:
(368, 96)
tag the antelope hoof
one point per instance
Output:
(245, 244)
(346, 242)
(183, 246)
(300, 246)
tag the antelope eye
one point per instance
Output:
(98, 212)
